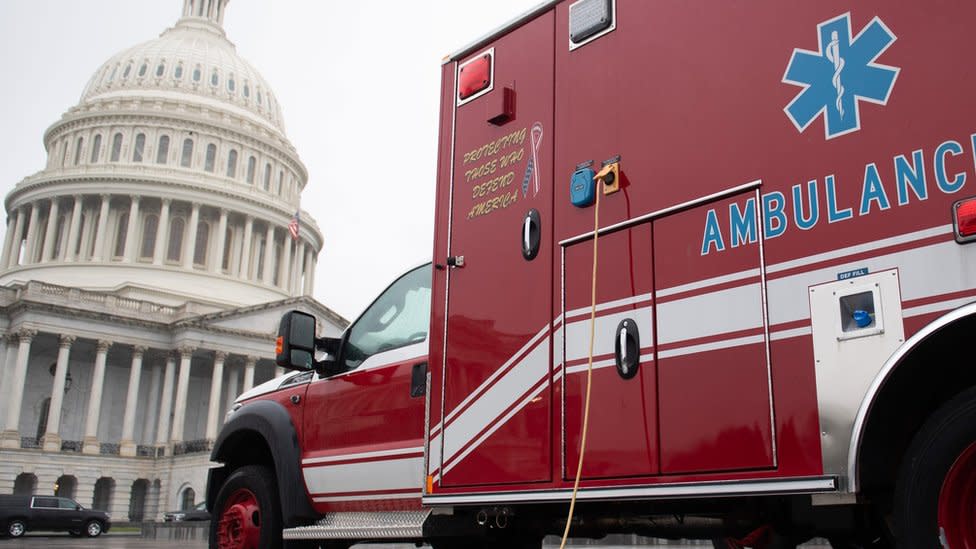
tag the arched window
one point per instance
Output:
(187, 153)
(139, 147)
(115, 70)
(143, 69)
(65, 152)
(196, 73)
(267, 176)
(276, 267)
(175, 250)
(247, 90)
(178, 71)
(203, 241)
(116, 147)
(260, 262)
(211, 158)
(228, 240)
(259, 97)
(188, 495)
(231, 85)
(120, 233)
(81, 141)
(149, 227)
(59, 236)
(128, 69)
(250, 170)
(162, 151)
(232, 163)
(96, 148)
(160, 69)
(214, 78)
(281, 180)
(25, 484)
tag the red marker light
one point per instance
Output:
(964, 219)
(475, 76)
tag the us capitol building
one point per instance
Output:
(144, 271)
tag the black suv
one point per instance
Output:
(18, 514)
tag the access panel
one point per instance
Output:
(496, 402)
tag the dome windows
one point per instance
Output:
(203, 239)
(139, 147)
(116, 147)
(115, 70)
(247, 90)
(211, 158)
(96, 148)
(127, 71)
(197, 73)
(175, 248)
(232, 164)
(267, 176)
(80, 143)
(187, 156)
(161, 69)
(178, 71)
(214, 78)
(120, 234)
(250, 170)
(149, 227)
(231, 85)
(162, 151)
(143, 69)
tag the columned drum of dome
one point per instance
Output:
(171, 179)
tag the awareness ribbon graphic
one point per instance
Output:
(531, 170)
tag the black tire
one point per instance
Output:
(93, 528)
(16, 528)
(261, 520)
(949, 432)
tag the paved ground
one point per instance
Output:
(120, 541)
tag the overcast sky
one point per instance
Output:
(357, 80)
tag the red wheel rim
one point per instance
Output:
(957, 503)
(240, 522)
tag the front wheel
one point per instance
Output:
(935, 495)
(246, 512)
(16, 528)
(93, 529)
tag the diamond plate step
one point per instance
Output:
(363, 525)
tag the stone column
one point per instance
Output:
(268, 253)
(118, 505)
(14, 258)
(8, 239)
(52, 438)
(297, 267)
(91, 444)
(162, 234)
(249, 373)
(101, 239)
(68, 250)
(232, 383)
(130, 231)
(179, 409)
(11, 434)
(32, 228)
(128, 444)
(287, 270)
(309, 271)
(191, 240)
(217, 262)
(49, 234)
(246, 249)
(166, 403)
(6, 372)
(213, 410)
(152, 407)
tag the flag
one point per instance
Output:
(293, 226)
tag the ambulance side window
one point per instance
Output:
(399, 317)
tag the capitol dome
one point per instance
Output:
(171, 180)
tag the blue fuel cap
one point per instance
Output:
(582, 188)
(862, 318)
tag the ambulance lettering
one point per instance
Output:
(806, 203)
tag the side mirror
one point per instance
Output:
(295, 347)
(78, 508)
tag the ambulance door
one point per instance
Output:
(714, 399)
(496, 402)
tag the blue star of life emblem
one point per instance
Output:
(840, 75)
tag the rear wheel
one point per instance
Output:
(246, 512)
(16, 528)
(935, 496)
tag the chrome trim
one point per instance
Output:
(805, 485)
(500, 31)
(670, 209)
(562, 404)
(423, 487)
(363, 525)
(882, 376)
(761, 237)
(604, 32)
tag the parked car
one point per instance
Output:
(20, 514)
(198, 512)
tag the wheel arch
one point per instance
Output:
(261, 433)
(916, 380)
